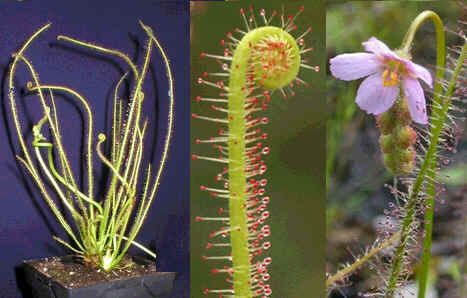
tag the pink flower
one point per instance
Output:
(386, 73)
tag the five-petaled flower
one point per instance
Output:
(386, 73)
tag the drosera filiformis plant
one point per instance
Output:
(415, 139)
(100, 230)
(257, 61)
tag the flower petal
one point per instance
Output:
(353, 66)
(373, 97)
(416, 100)
(376, 46)
(420, 72)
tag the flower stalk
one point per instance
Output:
(427, 173)
(431, 187)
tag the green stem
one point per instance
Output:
(440, 44)
(360, 261)
(431, 192)
(167, 140)
(102, 50)
(438, 116)
(89, 152)
(27, 160)
(60, 179)
(238, 92)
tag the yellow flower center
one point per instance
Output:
(391, 75)
(390, 78)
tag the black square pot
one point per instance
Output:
(155, 285)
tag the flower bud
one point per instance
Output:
(397, 139)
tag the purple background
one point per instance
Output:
(26, 224)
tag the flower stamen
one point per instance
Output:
(390, 78)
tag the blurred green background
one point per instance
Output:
(296, 164)
(355, 174)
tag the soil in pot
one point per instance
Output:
(69, 276)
